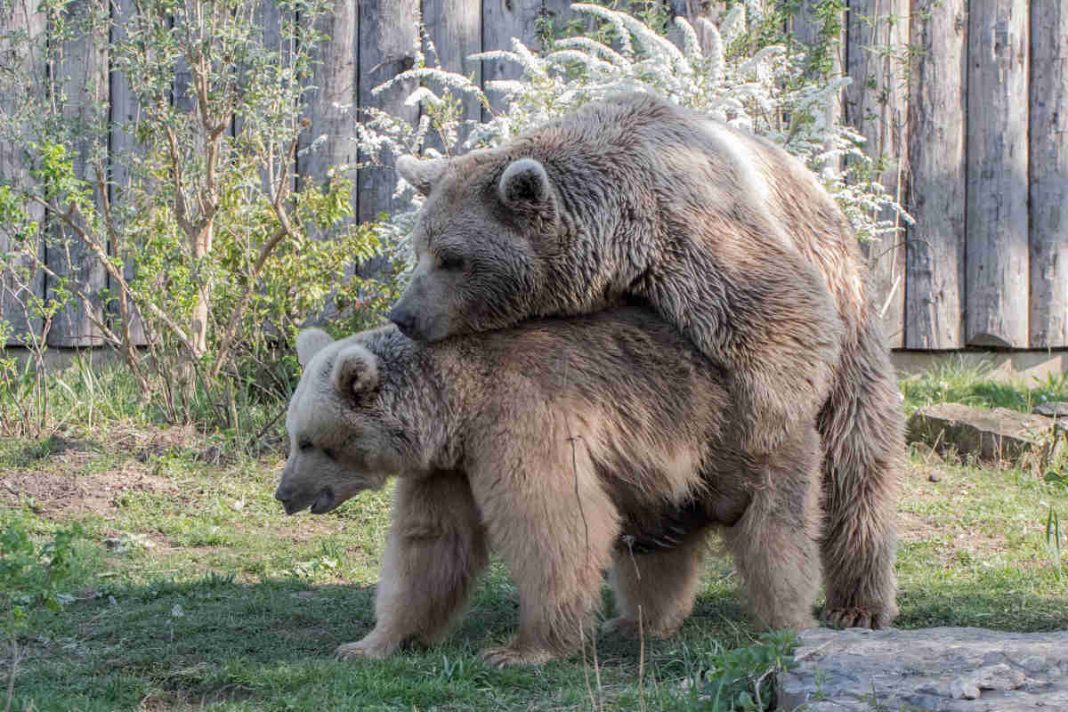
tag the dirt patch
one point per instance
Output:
(59, 492)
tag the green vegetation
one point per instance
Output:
(186, 585)
(974, 385)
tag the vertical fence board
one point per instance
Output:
(936, 181)
(388, 37)
(123, 149)
(456, 30)
(875, 104)
(808, 30)
(21, 18)
(81, 76)
(328, 142)
(504, 19)
(997, 241)
(1049, 174)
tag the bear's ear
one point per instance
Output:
(355, 371)
(311, 342)
(422, 174)
(525, 183)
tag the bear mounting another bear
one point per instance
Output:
(728, 238)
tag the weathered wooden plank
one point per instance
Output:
(123, 149)
(328, 143)
(81, 76)
(997, 240)
(23, 22)
(934, 293)
(455, 29)
(388, 36)
(875, 103)
(1049, 174)
(504, 19)
(825, 55)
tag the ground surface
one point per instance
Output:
(194, 589)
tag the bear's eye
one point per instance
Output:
(304, 445)
(451, 262)
(329, 453)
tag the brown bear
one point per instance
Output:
(731, 240)
(555, 443)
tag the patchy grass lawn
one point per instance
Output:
(194, 589)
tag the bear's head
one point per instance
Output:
(342, 440)
(484, 243)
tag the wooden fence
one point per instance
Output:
(964, 101)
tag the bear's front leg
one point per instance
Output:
(435, 551)
(554, 526)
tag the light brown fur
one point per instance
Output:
(547, 442)
(728, 238)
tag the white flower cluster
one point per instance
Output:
(720, 71)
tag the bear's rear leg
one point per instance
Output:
(435, 551)
(655, 591)
(863, 445)
(548, 516)
(776, 542)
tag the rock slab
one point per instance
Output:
(994, 435)
(950, 669)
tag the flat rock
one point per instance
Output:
(1053, 409)
(951, 669)
(994, 435)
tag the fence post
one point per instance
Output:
(1049, 174)
(875, 104)
(936, 182)
(997, 241)
(25, 21)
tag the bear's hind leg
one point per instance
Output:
(776, 542)
(655, 591)
(435, 551)
(862, 430)
(554, 525)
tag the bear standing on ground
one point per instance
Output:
(547, 442)
(731, 240)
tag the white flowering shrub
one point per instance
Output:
(730, 72)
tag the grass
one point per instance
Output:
(974, 385)
(193, 589)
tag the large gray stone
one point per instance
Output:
(995, 435)
(950, 669)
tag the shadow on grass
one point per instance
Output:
(269, 646)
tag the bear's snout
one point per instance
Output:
(404, 319)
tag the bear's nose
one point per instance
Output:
(403, 318)
(283, 494)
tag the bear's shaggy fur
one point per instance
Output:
(549, 443)
(731, 240)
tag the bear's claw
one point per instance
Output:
(856, 617)
(511, 656)
(365, 649)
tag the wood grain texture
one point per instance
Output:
(934, 294)
(455, 28)
(82, 81)
(808, 29)
(388, 36)
(328, 142)
(123, 148)
(504, 19)
(19, 284)
(1049, 174)
(875, 103)
(997, 240)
